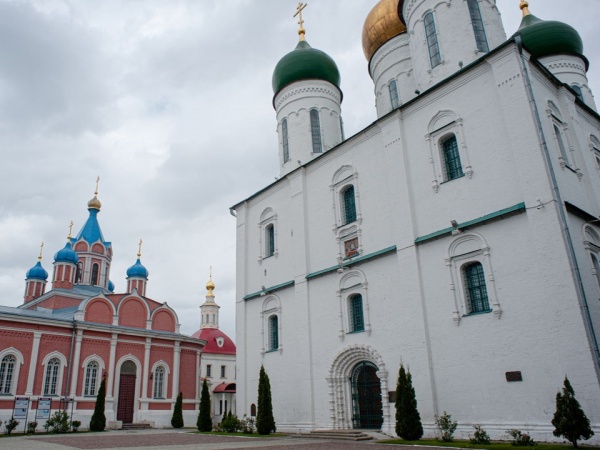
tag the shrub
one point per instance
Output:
(98, 421)
(520, 439)
(177, 419)
(446, 426)
(31, 427)
(480, 436)
(569, 419)
(75, 425)
(204, 422)
(58, 422)
(10, 425)
(408, 419)
(230, 423)
(247, 425)
(265, 422)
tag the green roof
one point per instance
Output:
(550, 37)
(305, 63)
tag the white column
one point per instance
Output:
(75, 365)
(111, 366)
(145, 371)
(199, 378)
(37, 335)
(176, 358)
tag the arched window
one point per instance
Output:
(7, 369)
(432, 40)
(348, 205)
(159, 382)
(253, 410)
(561, 144)
(477, 22)
(269, 240)
(394, 94)
(91, 379)
(315, 130)
(451, 159)
(578, 91)
(273, 333)
(79, 272)
(475, 289)
(95, 269)
(51, 379)
(596, 267)
(355, 308)
(284, 138)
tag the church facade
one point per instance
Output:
(59, 345)
(457, 235)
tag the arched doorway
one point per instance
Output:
(126, 392)
(367, 411)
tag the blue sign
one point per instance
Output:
(21, 408)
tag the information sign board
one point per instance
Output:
(21, 407)
(43, 409)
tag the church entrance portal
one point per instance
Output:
(367, 410)
(126, 392)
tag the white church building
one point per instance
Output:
(458, 234)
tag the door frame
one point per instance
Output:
(138, 378)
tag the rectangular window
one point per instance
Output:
(51, 377)
(284, 137)
(315, 129)
(477, 23)
(269, 240)
(356, 313)
(475, 288)
(394, 94)
(208, 370)
(349, 204)
(223, 371)
(561, 144)
(451, 159)
(432, 41)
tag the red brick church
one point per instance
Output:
(60, 343)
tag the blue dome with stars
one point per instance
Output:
(67, 254)
(137, 270)
(37, 272)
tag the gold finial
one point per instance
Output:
(139, 253)
(70, 231)
(97, 181)
(41, 251)
(210, 286)
(524, 7)
(301, 31)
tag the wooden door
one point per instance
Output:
(126, 398)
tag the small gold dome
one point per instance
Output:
(210, 285)
(94, 203)
(382, 24)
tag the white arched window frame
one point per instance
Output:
(352, 284)
(268, 219)
(11, 361)
(562, 142)
(394, 97)
(271, 308)
(591, 242)
(54, 367)
(464, 250)
(348, 235)
(91, 377)
(481, 42)
(441, 127)
(160, 380)
(594, 144)
(285, 142)
(315, 131)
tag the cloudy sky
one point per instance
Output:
(169, 102)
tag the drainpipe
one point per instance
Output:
(65, 403)
(581, 297)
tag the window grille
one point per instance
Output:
(357, 322)
(269, 240)
(284, 137)
(315, 129)
(349, 205)
(475, 290)
(159, 382)
(273, 333)
(477, 22)
(51, 382)
(91, 379)
(7, 368)
(432, 41)
(451, 159)
(394, 94)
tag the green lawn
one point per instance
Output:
(492, 446)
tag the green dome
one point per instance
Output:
(546, 38)
(305, 63)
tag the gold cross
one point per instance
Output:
(139, 249)
(97, 181)
(41, 250)
(70, 230)
(299, 8)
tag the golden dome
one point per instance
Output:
(210, 286)
(382, 24)
(94, 203)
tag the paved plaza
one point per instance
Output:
(175, 440)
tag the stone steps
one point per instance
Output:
(343, 435)
(136, 426)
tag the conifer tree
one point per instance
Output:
(569, 419)
(265, 423)
(408, 419)
(204, 422)
(98, 421)
(177, 419)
